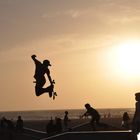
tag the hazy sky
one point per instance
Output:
(88, 44)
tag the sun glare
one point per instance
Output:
(138, 136)
(128, 55)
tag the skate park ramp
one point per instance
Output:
(93, 135)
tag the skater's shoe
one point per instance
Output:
(50, 94)
(54, 94)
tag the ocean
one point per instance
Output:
(73, 113)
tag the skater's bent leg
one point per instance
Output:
(39, 91)
(92, 123)
(38, 88)
(49, 89)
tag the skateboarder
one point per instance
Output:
(95, 116)
(40, 71)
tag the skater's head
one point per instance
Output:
(87, 106)
(137, 96)
(46, 63)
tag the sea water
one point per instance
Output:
(73, 113)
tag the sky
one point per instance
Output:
(93, 46)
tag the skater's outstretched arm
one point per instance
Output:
(85, 114)
(34, 58)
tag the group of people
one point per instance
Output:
(9, 124)
(9, 127)
(135, 125)
(54, 127)
(57, 126)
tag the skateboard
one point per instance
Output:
(54, 94)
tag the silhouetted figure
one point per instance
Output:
(95, 116)
(66, 120)
(125, 121)
(19, 124)
(40, 71)
(58, 125)
(50, 127)
(3, 124)
(10, 129)
(136, 118)
(109, 115)
(10, 124)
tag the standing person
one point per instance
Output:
(40, 71)
(95, 116)
(125, 121)
(19, 124)
(50, 128)
(66, 120)
(136, 118)
(58, 125)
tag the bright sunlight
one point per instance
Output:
(128, 57)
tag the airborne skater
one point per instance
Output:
(40, 71)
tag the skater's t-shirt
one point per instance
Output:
(40, 70)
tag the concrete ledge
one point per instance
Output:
(93, 135)
(34, 133)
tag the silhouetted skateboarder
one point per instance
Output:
(95, 116)
(40, 71)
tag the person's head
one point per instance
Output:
(46, 63)
(19, 117)
(137, 96)
(87, 106)
(125, 114)
(66, 112)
